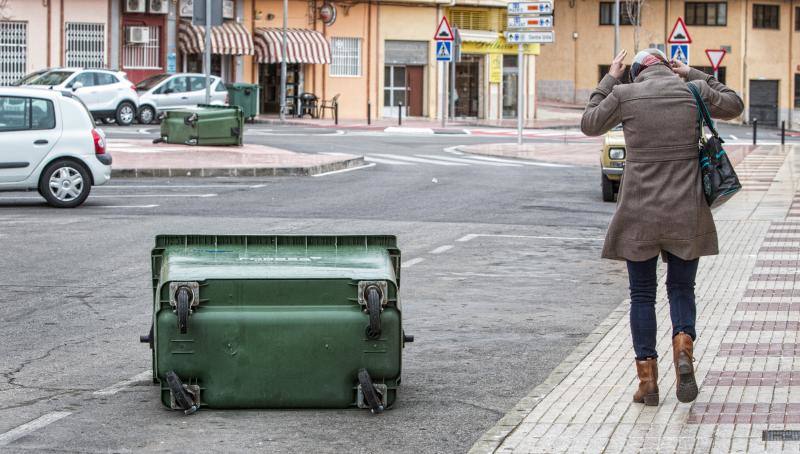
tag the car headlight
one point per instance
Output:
(616, 153)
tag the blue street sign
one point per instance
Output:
(171, 63)
(444, 51)
(679, 52)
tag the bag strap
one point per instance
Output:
(705, 116)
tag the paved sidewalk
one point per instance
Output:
(143, 158)
(747, 350)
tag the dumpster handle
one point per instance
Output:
(184, 399)
(374, 311)
(371, 395)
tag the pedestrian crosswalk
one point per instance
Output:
(461, 160)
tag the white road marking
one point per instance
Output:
(127, 206)
(344, 170)
(472, 236)
(115, 196)
(467, 161)
(387, 161)
(734, 137)
(117, 387)
(519, 162)
(420, 160)
(31, 426)
(177, 186)
(441, 249)
(407, 130)
(453, 150)
(412, 262)
(258, 186)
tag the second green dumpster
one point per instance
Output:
(203, 125)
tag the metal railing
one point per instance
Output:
(85, 44)
(143, 56)
(13, 50)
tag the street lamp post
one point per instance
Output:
(283, 59)
(616, 28)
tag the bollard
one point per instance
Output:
(336, 114)
(400, 114)
(755, 129)
(783, 132)
(369, 113)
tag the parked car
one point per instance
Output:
(174, 91)
(612, 162)
(106, 93)
(50, 144)
(27, 78)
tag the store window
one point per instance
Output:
(85, 45)
(766, 16)
(468, 83)
(510, 86)
(394, 86)
(14, 45)
(345, 56)
(706, 13)
(607, 13)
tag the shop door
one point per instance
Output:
(764, 101)
(414, 75)
(510, 86)
(467, 91)
(269, 79)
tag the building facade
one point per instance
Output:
(761, 37)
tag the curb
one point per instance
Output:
(494, 437)
(244, 172)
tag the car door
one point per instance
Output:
(85, 88)
(197, 90)
(173, 93)
(108, 89)
(28, 131)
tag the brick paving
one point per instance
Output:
(747, 351)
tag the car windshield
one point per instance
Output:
(150, 82)
(27, 79)
(51, 78)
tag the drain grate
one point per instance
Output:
(780, 435)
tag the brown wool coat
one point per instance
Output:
(661, 205)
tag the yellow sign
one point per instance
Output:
(495, 68)
(500, 46)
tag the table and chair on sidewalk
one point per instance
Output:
(309, 104)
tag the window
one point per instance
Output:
(85, 45)
(706, 13)
(797, 91)
(607, 13)
(85, 79)
(766, 16)
(197, 83)
(20, 114)
(105, 79)
(14, 49)
(143, 56)
(797, 19)
(345, 56)
(471, 19)
(394, 85)
(174, 85)
(221, 87)
(52, 78)
(721, 73)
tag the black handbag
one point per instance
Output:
(719, 180)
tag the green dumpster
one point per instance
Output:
(203, 125)
(268, 321)
(244, 96)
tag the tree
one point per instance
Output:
(633, 9)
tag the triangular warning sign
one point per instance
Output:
(679, 35)
(443, 31)
(715, 56)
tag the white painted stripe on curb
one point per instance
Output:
(467, 161)
(441, 249)
(404, 130)
(387, 161)
(334, 172)
(519, 162)
(31, 426)
(175, 186)
(117, 196)
(412, 262)
(117, 387)
(420, 160)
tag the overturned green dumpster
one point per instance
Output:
(276, 321)
(203, 125)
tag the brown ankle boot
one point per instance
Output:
(682, 354)
(648, 382)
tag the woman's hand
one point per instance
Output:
(617, 69)
(680, 68)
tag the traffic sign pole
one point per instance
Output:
(520, 98)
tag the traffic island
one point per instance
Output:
(144, 159)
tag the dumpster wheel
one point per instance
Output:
(183, 398)
(371, 395)
(183, 300)
(374, 311)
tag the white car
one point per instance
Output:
(174, 91)
(48, 142)
(107, 94)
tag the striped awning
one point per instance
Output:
(230, 38)
(302, 46)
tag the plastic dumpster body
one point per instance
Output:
(276, 321)
(244, 96)
(203, 125)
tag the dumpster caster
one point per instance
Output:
(184, 399)
(407, 338)
(147, 338)
(159, 140)
(374, 311)
(183, 300)
(369, 397)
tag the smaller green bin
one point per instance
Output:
(203, 125)
(244, 96)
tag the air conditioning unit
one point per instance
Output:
(135, 6)
(159, 6)
(137, 35)
(228, 9)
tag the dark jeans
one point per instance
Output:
(680, 290)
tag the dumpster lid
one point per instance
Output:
(202, 257)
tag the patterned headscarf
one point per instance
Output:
(647, 58)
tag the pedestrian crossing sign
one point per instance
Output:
(679, 52)
(444, 51)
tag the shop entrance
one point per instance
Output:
(467, 86)
(402, 84)
(510, 86)
(269, 78)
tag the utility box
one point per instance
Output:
(246, 97)
(271, 321)
(203, 125)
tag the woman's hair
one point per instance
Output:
(645, 59)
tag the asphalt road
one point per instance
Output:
(502, 280)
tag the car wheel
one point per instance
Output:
(146, 115)
(65, 184)
(107, 120)
(608, 188)
(126, 113)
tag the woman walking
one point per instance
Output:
(661, 208)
